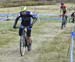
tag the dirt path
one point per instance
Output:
(47, 32)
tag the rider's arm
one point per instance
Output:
(34, 20)
(14, 26)
(34, 17)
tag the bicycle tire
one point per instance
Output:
(22, 45)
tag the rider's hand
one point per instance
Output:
(14, 27)
(31, 26)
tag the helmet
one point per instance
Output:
(24, 8)
(62, 3)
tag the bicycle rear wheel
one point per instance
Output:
(22, 45)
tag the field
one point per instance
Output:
(50, 43)
(39, 9)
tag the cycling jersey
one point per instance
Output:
(63, 8)
(25, 17)
(26, 22)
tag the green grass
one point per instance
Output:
(55, 50)
(39, 9)
(7, 33)
(10, 35)
(24, 3)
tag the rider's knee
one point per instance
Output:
(20, 31)
(28, 33)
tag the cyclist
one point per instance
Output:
(26, 22)
(73, 17)
(63, 11)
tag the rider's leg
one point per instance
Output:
(73, 20)
(21, 30)
(62, 24)
(29, 40)
(29, 36)
(65, 20)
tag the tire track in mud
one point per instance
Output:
(48, 32)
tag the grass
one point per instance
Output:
(39, 9)
(57, 49)
(22, 3)
(7, 33)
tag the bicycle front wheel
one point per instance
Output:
(22, 45)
